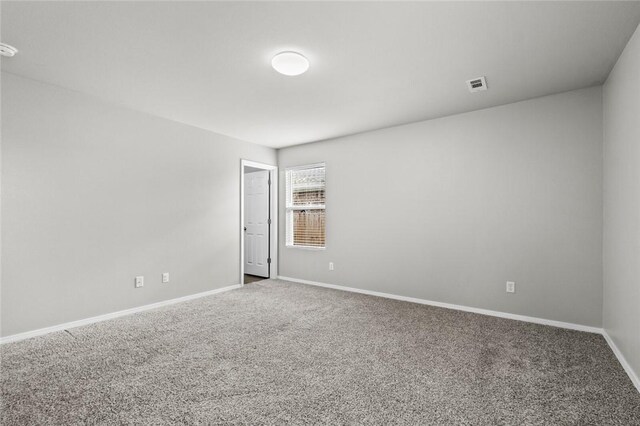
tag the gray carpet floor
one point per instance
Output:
(280, 353)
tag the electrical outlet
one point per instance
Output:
(139, 281)
(511, 287)
(165, 277)
(331, 266)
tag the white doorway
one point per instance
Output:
(258, 221)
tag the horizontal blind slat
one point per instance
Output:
(305, 203)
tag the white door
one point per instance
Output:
(256, 223)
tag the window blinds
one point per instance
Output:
(305, 204)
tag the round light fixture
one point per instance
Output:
(290, 63)
(6, 50)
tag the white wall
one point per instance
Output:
(450, 209)
(94, 194)
(622, 203)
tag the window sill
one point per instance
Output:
(312, 248)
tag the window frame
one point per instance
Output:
(289, 209)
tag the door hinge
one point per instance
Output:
(268, 260)
(268, 221)
(269, 182)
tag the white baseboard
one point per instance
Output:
(39, 332)
(579, 327)
(632, 374)
(99, 318)
(535, 320)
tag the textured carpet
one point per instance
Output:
(280, 353)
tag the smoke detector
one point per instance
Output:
(6, 50)
(477, 84)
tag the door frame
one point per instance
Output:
(273, 215)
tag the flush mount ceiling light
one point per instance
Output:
(6, 50)
(290, 63)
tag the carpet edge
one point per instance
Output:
(622, 360)
(481, 311)
(104, 317)
(571, 326)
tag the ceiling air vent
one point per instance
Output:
(477, 84)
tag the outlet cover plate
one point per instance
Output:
(511, 287)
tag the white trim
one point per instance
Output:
(112, 315)
(305, 247)
(73, 324)
(481, 311)
(273, 237)
(632, 374)
(571, 326)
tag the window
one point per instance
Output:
(305, 206)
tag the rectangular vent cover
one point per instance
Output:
(477, 84)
